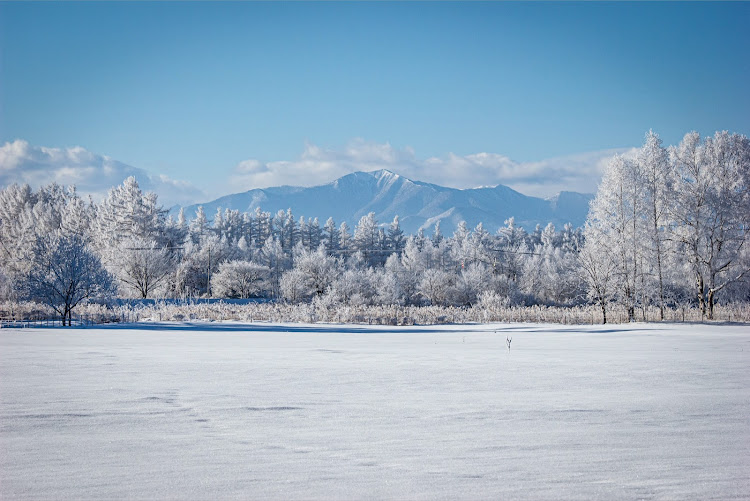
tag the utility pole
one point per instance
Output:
(208, 286)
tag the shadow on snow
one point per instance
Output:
(222, 327)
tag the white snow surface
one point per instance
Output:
(268, 411)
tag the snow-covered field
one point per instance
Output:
(319, 412)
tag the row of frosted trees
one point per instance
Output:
(668, 226)
(139, 251)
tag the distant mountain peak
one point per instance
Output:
(382, 173)
(569, 198)
(418, 204)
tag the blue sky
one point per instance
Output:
(218, 94)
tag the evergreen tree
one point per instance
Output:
(345, 237)
(199, 225)
(315, 235)
(395, 236)
(331, 236)
(437, 236)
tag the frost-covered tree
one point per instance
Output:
(711, 211)
(65, 272)
(356, 286)
(550, 273)
(8, 290)
(288, 230)
(314, 234)
(394, 285)
(175, 236)
(217, 225)
(17, 229)
(617, 219)
(181, 220)
(205, 258)
(76, 216)
(243, 248)
(535, 238)
(437, 235)
(414, 259)
(292, 286)
(461, 232)
(26, 215)
(479, 247)
(366, 237)
(272, 256)
(143, 266)
(512, 250)
(435, 286)
(331, 236)
(440, 255)
(310, 233)
(597, 264)
(662, 211)
(414, 262)
(395, 236)
(199, 225)
(345, 237)
(571, 239)
(133, 238)
(382, 245)
(128, 213)
(471, 282)
(262, 227)
(304, 234)
(240, 279)
(653, 162)
(317, 268)
(248, 228)
(548, 236)
(460, 245)
(233, 225)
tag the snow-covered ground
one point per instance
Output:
(319, 412)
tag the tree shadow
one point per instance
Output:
(250, 327)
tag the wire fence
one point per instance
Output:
(28, 314)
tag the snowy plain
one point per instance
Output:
(268, 411)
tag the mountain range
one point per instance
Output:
(418, 204)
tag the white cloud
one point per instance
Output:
(317, 165)
(95, 174)
(92, 174)
(581, 173)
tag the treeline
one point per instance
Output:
(668, 228)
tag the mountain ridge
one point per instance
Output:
(418, 204)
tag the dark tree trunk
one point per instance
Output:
(711, 300)
(701, 298)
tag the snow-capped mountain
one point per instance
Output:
(418, 204)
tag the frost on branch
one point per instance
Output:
(66, 272)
